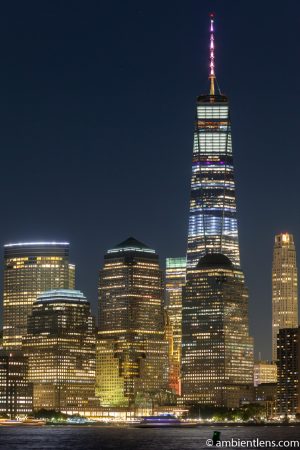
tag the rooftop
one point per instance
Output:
(172, 263)
(129, 245)
(214, 259)
(26, 244)
(56, 295)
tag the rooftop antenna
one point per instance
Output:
(212, 75)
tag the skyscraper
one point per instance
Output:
(284, 287)
(288, 362)
(29, 269)
(61, 348)
(175, 280)
(212, 218)
(15, 390)
(217, 352)
(132, 352)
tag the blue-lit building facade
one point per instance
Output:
(212, 220)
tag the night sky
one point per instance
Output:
(97, 104)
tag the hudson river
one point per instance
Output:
(124, 438)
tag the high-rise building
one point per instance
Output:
(61, 348)
(15, 390)
(217, 351)
(175, 280)
(284, 287)
(264, 372)
(212, 218)
(132, 361)
(288, 361)
(29, 269)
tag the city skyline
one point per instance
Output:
(173, 334)
(28, 118)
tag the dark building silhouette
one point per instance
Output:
(288, 362)
(15, 390)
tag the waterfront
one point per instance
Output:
(123, 438)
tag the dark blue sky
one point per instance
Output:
(97, 104)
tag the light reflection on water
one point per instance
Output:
(123, 438)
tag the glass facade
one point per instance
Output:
(30, 269)
(212, 219)
(284, 287)
(217, 351)
(174, 281)
(132, 354)
(61, 348)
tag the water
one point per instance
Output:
(124, 438)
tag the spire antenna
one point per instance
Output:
(212, 75)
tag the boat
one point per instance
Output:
(34, 422)
(162, 421)
(25, 422)
(10, 422)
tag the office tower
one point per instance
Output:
(212, 218)
(217, 351)
(29, 269)
(175, 280)
(288, 362)
(15, 390)
(264, 372)
(61, 348)
(132, 354)
(284, 287)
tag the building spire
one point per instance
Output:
(212, 75)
